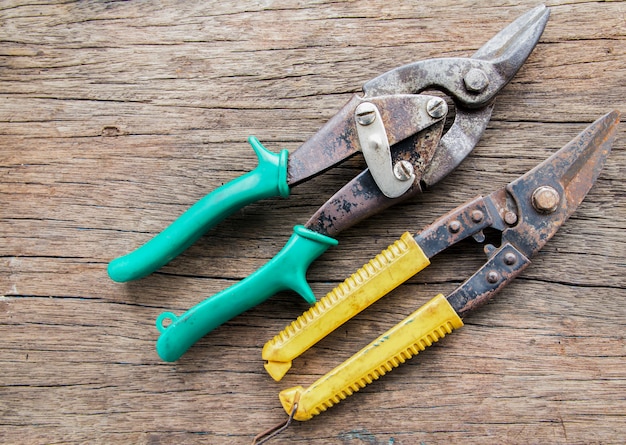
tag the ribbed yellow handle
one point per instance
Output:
(392, 267)
(421, 329)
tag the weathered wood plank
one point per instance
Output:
(116, 116)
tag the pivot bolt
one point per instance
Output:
(545, 199)
(365, 113)
(476, 80)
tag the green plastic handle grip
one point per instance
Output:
(268, 179)
(287, 270)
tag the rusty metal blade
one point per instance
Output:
(510, 48)
(457, 143)
(496, 62)
(547, 195)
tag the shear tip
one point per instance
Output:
(604, 129)
(510, 48)
(615, 115)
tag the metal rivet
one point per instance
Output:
(545, 199)
(403, 170)
(436, 107)
(454, 226)
(510, 218)
(476, 80)
(493, 277)
(510, 258)
(365, 113)
(477, 216)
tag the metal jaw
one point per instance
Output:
(397, 140)
(548, 195)
(472, 84)
(527, 212)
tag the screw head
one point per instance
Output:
(436, 107)
(493, 277)
(403, 170)
(476, 80)
(454, 226)
(545, 199)
(365, 113)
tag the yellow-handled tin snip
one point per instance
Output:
(527, 213)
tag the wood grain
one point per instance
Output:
(117, 116)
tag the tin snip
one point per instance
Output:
(526, 213)
(397, 128)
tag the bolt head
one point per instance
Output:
(365, 113)
(545, 199)
(476, 80)
(436, 107)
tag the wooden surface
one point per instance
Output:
(117, 116)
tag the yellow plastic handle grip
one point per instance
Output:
(392, 267)
(415, 333)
